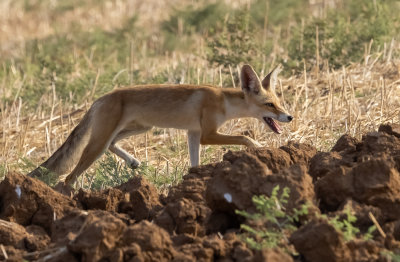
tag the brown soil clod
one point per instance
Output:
(108, 199)
(26, 201)
(97, 236)
(197, 220)
(319, 241)
(142, 201)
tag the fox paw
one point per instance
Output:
(134, 164)
(257, 144)
(64, 189)
(253, 143)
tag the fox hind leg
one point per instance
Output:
(131, 130)
(98, 143)
(129, 159)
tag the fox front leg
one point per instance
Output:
(194, 147)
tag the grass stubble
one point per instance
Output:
(326, 103)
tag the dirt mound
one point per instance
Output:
(237, 180)
(97, 236)
(151, 243)
(197, 220)
(366, 171)
(142, 201)
(31, 238)
(137, 198)
(108, 199)
(26, 201)
(320, 241)
(184, 216)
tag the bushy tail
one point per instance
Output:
(69, 153)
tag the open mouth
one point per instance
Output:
(273, 125)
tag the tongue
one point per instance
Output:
(273, 125)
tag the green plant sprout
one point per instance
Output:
(346, 226)
(270, 225)
(274, 220)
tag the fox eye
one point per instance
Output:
(270, 105)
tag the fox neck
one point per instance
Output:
(236, 105)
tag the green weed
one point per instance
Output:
(346, 226)
(73, 66)
(235, 44)
(58, 7)
(162, 178)
(205, 20)
(109, 173)
(345, 33)
(392, 256)
(3, 171)
(47, 177)
(269, 226)
(196, 19)
(276, 13)
(275, 221)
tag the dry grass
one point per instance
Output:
(326, 104)
(18, 26)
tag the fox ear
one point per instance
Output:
(249, 80)
(270, 81)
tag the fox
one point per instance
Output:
(200, 109)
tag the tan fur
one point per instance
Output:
(200, 109)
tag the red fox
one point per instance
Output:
(200, 109)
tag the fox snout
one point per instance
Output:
(285, 118)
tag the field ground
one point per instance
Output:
(57, 58)
(326, 189)
(299, 204)
(341, 82)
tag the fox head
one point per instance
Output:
(261, 97)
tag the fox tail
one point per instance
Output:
(69, 153)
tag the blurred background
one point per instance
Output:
(340, 59)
